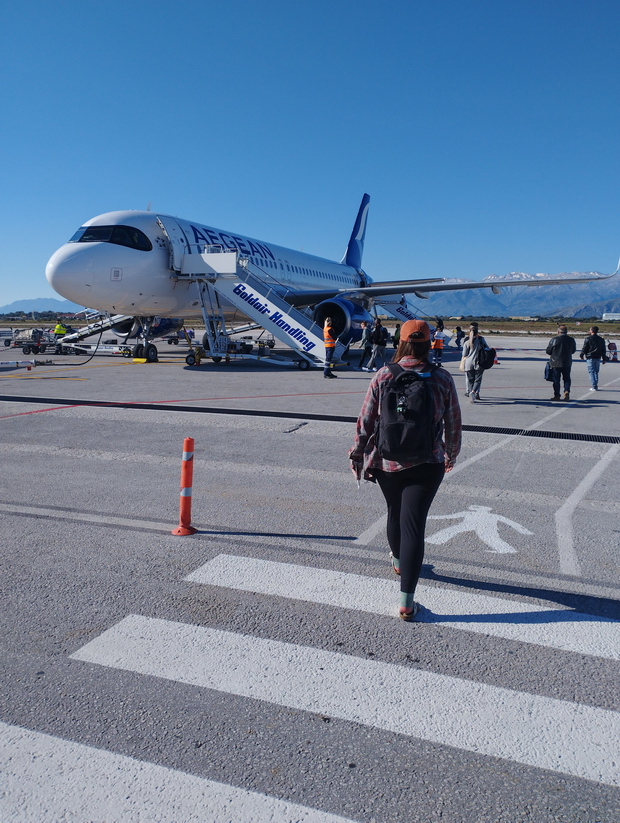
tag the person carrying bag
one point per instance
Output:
(408, 435)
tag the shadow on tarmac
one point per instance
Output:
(583, 604)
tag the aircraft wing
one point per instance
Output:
(421, 287)
(307, 297)
(497, 285)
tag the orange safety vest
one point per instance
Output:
(330, 342)
(437, 343)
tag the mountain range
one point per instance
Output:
(588, 299)
(40, 304)
(578, 300)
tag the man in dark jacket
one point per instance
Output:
(560, 351)
(379, 339)
(594, 352)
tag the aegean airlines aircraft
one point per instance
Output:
(151, 271)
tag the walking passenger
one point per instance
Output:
(396, 336)
(561, 350)
(408, 483)
(365, 345)
(594, 352)
(473, 345)
(379, 339)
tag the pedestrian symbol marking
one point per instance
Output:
(481, 521)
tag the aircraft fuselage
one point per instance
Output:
(128, 272)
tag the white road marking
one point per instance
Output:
(89, 517)
(481, 521)
(372, 531)
(379, 525)
(509, 619)
(48, 779)
(538, 731)
(569, 562)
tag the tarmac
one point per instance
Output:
(251, 666)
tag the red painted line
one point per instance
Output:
(36, 411)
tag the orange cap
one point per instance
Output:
(416, 331)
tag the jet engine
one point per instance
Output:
(133, 326)
(346, 318)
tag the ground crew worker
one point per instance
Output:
(59, 331)
(329, 339)
(437, 346)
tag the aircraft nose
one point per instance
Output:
(69, 272)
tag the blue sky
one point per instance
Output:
(486, 132)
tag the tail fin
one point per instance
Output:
(353, 255)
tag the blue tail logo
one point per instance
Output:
(355, 249)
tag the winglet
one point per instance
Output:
(353, 255)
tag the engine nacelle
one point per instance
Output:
(346, 318)
(133, 326)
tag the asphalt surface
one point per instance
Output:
(257, 670)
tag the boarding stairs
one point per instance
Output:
(257, 294)
(101, 325)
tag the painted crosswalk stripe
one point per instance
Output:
(48, 779)
(499, 617)
(531, 729)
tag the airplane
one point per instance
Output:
(150, 271)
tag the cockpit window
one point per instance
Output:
(120, 235)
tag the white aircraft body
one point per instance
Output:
(141, 267)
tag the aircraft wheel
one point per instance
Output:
(26, 349)
(150, 353)
(138, 350)
(303, 365)
(216, 359)
(191, 359)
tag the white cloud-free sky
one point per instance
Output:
(486, 132)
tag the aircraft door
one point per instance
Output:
(177, 241)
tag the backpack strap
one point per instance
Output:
(396, 370)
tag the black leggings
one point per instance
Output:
(409, 494)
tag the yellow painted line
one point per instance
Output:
(43, 377)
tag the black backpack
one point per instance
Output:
(378, 336)
(486, 358)
(405, 429)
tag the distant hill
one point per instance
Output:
(40, 304)
(591, 309)
(571, 300)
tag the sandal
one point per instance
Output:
(395, 563)
(408, 607)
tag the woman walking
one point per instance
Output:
(408, 486)
(472, 347)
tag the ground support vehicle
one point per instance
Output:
(6, 335)
(34, 341)
(178, 337)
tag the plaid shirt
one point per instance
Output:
(447, 418)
